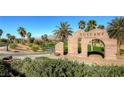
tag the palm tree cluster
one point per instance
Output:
(23, 33)
(90, 25)
(64, 30)
(44, 38)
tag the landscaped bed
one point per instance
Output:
(46, 67)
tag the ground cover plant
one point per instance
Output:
(45, 67)
(7, 71)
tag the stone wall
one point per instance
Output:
(86, 37)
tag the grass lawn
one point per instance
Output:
(95, 48)
(121, 51)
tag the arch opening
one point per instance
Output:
(96, 47)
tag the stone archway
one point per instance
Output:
(86, 37)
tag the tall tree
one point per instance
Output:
(101, 27)
(91, 24)
(22, 32)
(28, 36)
(44, 39)
(1, 32)
(8, 35)
(11, 39)
(62, 31)
(81, 24)
(116, 31)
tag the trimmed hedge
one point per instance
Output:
(45, 67)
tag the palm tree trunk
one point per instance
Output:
(7, 47)
(23, 40)
(118, 47)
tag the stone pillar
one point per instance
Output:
(72, 46)
(84, 46)
(59, 48)
(111, 49)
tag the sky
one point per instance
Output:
(39, 25)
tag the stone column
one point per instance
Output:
(59, 48)
(111, 49)
(84, 46)
(72, 46)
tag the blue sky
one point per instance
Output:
(39, 25)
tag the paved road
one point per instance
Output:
(23, 55)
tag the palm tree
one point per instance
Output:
(91, 24)
(44, 39)
(87, 29)
(1, 32)
(116, 31)
(22, 32)
(81, 24)
(8, 35)
(11, 39)
(28, 36)
(63, 31)
(101, 27)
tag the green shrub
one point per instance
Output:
(30, 44)
(35, 47)
(36, 42)
(50, 44)
(3, 40)
(12, 45)
(31, 40)
(45, 67)
(7, 71)
(122, 51)
(4, 71)
(17, 64)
